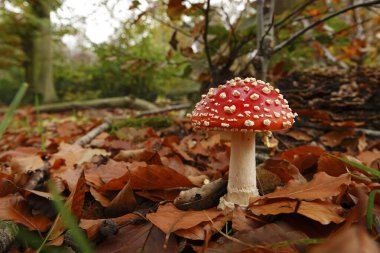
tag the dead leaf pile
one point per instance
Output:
(121, 189)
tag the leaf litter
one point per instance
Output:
(122, 185)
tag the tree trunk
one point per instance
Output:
(264, 37)
(39, 69)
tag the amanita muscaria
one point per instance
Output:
(242, 108)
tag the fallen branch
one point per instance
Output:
(129, 102)
(94, 132)
(108, 122)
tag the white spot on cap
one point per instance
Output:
(269, 101)
(286, 101)
(277, 90)
(256, 108)
(236, 93)
(229, 109)
(280, 96)
(222, 95)
(266, 122)
(277, 102)
(246, 105)
(225, 125)
(256, 116)
(247, 113)
(286, 123)
(206, 123)
(254, 96)
(249, 123)
(246, 88)
(266, 90)
(240, 115)
(276, 114)
(266, 109)
(203, 96)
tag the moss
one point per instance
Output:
(154, 122)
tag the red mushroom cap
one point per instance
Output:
(243, 105)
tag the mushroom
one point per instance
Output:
(242, 108)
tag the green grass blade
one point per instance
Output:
(370, 207)
(358, 165)
(70, 221)
(12, 108)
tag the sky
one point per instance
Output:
(97, 23)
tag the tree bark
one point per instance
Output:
(264, 24)
(39, 49)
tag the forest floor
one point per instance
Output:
(122, 187)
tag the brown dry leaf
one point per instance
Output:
(299, 135)
(334, 138)
(104, 201)
(69, 177)
(170, 219)
(79, 197)
(75, 155)
(175, 9)
(352, 240)
(370, 158)
(204, 230)
(150, 177)
(242, 221)
(260, 240)
(143, 238)
(68, 128)
(141, 154)
(160, 195)
(283, 169)
(321, 211)
(321, 187)
(124, 202)
(14, 207)
(303, 157)
(331, 165)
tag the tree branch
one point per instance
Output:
(301, 32)
(293, 13)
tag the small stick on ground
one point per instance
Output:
(94, 132)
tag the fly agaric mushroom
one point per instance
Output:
(242, 107)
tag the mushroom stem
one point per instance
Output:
(242, 172)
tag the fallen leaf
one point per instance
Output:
(123, 203)
(321, 211)
(266, 239)
(370, 158)
(299, 135)
(150, 177)
(352, 240)
(170, 219)
(144, 238)
(284, 169)
(75, 155)
(14, 207)
(334, 138)
(303, 157)
(321, 187)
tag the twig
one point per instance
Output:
(301, 32)
(293, 13)
(163, 110)
(93, 133)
